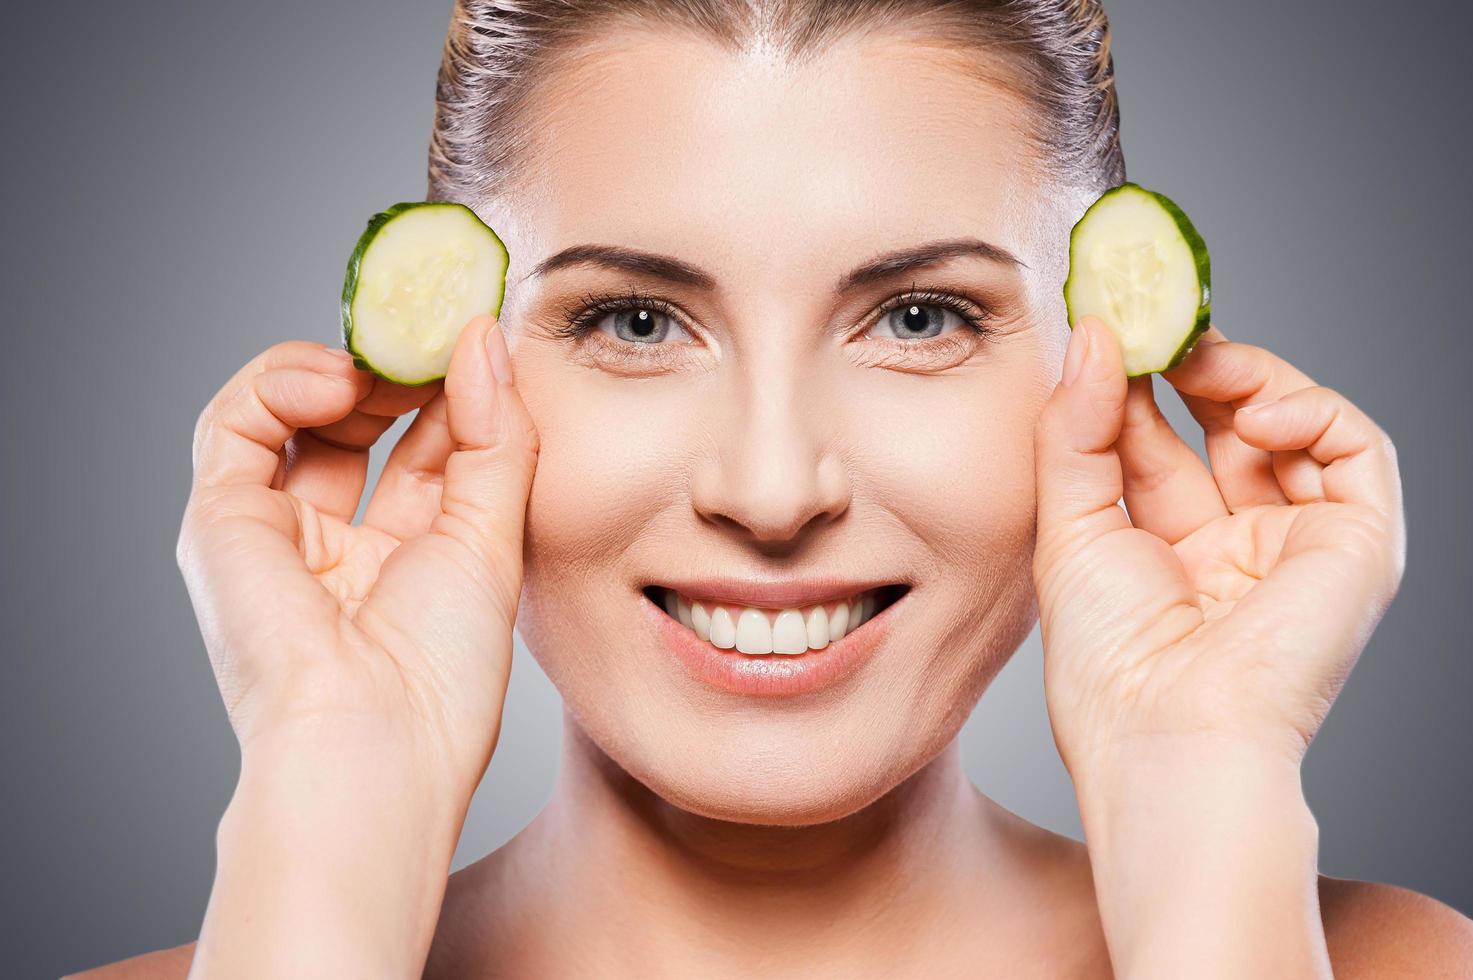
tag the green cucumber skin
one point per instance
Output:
(1199, 254)
(350, 281)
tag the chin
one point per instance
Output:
(787, 772)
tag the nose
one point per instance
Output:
(773, 472)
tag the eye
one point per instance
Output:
(639, 325)
(924, 315)
(631, 317)
(917, 321)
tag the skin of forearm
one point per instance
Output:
(1204, 855)
(328, 865)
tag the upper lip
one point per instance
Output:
(773, 593)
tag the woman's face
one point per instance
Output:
(756, 413)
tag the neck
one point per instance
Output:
(647, 875)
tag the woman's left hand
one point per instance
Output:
(1192, 648)
(1233, 601)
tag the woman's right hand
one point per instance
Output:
(389, 639)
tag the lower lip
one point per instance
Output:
(771, 675)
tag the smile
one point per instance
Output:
(786, 632)
(769, 652)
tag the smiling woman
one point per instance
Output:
(784, 293)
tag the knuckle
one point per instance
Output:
(524, 430)
(1369, 537)
(1387, 448)
(201, 429)
(289, 352)
(1323, 394)
(183, 544)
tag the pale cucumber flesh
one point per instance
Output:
(1136, 262)
(420, 271)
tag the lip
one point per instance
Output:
(772, 675)
(772, 594)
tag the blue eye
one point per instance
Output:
(640, 324)
(926, 314)
(918, 321)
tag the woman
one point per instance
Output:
(789, 348)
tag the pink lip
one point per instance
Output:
(772, 675)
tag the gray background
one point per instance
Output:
(183, 181)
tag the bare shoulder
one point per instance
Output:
(163, 964)
(1376, 930)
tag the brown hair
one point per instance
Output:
(496, 50)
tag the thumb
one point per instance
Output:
(488, 476)
(1079, 481)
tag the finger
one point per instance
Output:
(244, 549)
(331, 475)
(407, 496)
(287, 353)
(1168, 489)
(394, 400)
(1216, 379)
(240, 441)
(1244, 474)
(1079, 475)
(328, 465)
(471, 557)
(1318, 426)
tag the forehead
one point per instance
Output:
(661, 139)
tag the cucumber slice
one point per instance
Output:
(420, 270)
(1136, 262)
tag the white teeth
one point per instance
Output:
(723, 630)
(818, 628)
(700, 620)
(839, 622)
(790, 633)
(753, 633)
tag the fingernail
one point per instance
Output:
(1254, 409)
(1076, 354)
(500, 357)
(337, 352)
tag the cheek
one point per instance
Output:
(609, 466)
(957, 470)
(953, 460)
(606, 473)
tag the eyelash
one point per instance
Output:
(584, 317)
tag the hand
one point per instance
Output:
(391, 638)
(1232, 602)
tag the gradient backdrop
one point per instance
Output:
(183, 182)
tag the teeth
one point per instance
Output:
(700, 620)
(818, 629)
(839, 622)
(754, 632)
(788, 632)
(723, 630)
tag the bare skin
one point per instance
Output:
(1193, 639)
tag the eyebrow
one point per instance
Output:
(676, 270)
